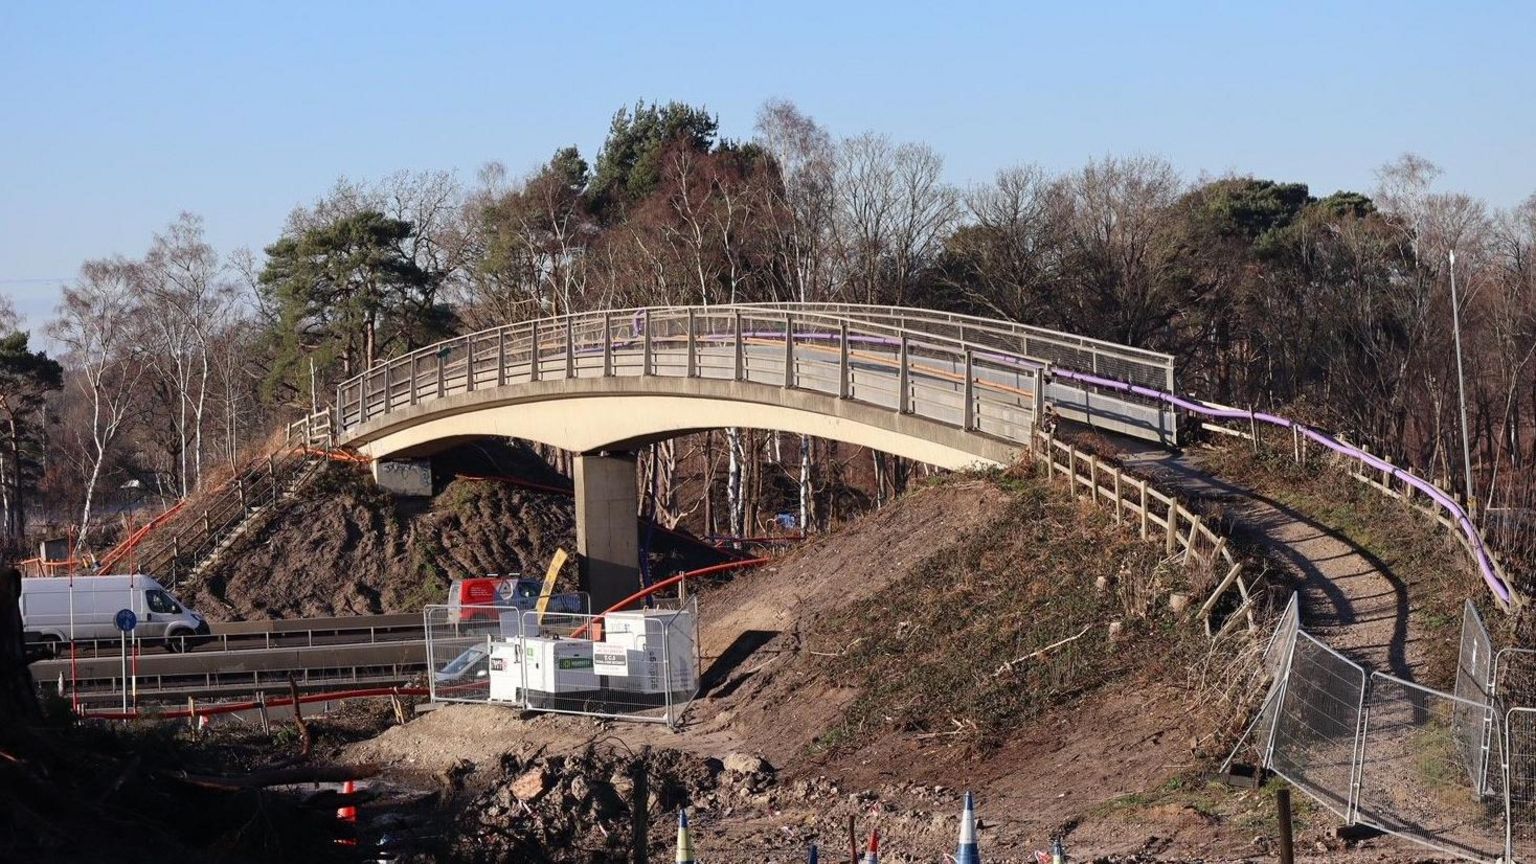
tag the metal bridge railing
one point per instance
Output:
(977, 375)
(1069, 350)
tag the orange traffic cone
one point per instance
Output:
(872, 855)
(347, 813)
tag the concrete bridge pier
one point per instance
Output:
(607, 526)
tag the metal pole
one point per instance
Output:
(469, 368)
(693, 345)
(741, 357)
(647, 362)
(1461, 387)
(570, 347)
(789, 351)
(123, 682)
(608, 346)
(844, 371)
(501, 357)
(969, 393)
(533, 356)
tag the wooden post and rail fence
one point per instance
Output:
(1185, 534)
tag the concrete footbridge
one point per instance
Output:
(950, 390)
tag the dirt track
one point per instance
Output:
(1348, 599)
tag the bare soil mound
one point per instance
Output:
(346, 548)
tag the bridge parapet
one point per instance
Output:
(984, 377)
(947, 390)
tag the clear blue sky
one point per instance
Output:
(117, 116)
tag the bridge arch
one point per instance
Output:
(623, 414)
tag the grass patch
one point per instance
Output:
(938, 654)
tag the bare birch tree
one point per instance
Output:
(95, 325)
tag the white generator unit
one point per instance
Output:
(638, 645)
(559, 671)
(506, 671)
(646, 628)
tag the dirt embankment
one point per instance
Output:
(958, 639)
(344, 547)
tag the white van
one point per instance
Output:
(57, 610)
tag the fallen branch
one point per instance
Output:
(969, 726)
(305, 742)
(1008, 667)
(846, 649)
(281, 777)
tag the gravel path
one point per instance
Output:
(1348, 598)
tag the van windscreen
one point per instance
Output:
(159, 601)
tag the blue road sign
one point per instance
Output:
(126, 620)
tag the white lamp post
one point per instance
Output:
(1461, 387)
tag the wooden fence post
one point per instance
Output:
(1093, 479)
(1145, 516)
(1119, 502)
(1072, 469)
(1172, 531)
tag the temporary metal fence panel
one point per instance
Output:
(1473, 727)
(1255, 741)
(1439, 769)
(1519, 776)
(1514, 676)
(1413, 780)
(1317, 722)
(639, 665)
(459, 647)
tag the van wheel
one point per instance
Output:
(46, 648)
(176, 643)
